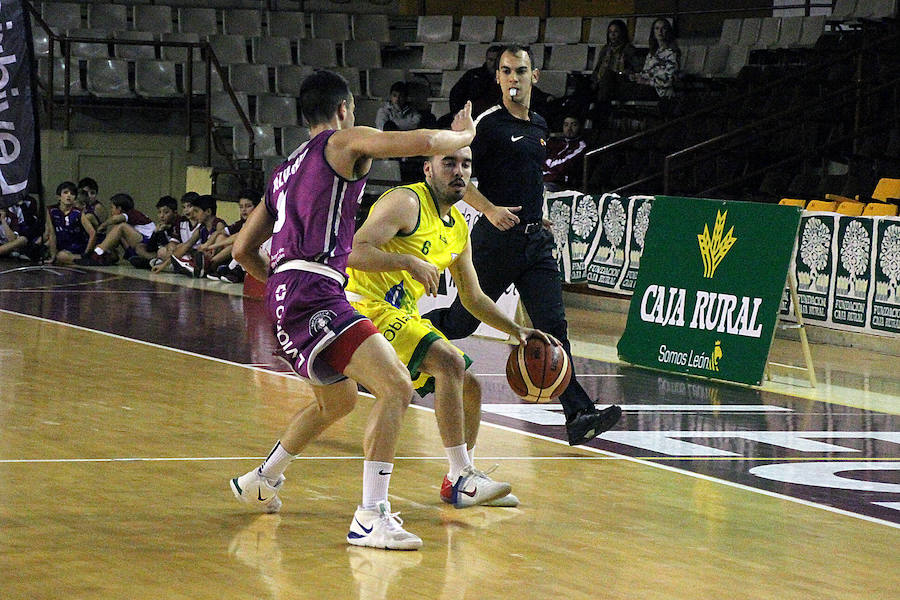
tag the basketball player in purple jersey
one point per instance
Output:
(309, 211)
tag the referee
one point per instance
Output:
(511, 244)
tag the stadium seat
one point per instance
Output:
(876, 9)
(285, 23)
(177, 54)
(242, 21)
(570, 57)
(229, 49)
(59, 76)
(750, 31)
(156, 18)
(353, 77)
(99, 49)
(598, 28)
(791, 28)
(821, 206)
(537, 54)
(331, 26)
(448, 80)
(716, 60)
(223, 109)
(62, 15)
(793, 202)
(562, 30)
(477, 29)
(731, 32)
(253, 79)
(280, 111)
(521, 30)
(130, 52)
(107, 17)
(198, 79)
(288, 78)
(41, 41)
(643, 27)
(843, 10)
(271, 50)
(879, 209)
(473, 55)
(363, 54)
(379, 82)
(851, 208)
(887, 188)
(317, 52)
(553, 82)
(197, 20)
(108, 78)
(291, 138)
(693, 59)
(813, 28)
(155, 79)
(737, 60)
(439, 108)
(385, 170)
(263, 136)
(440, 56)
(768, 33)
(434, 28)
(366, 109)
(372, 27)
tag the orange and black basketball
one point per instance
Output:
(538, 371)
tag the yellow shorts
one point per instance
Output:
(410, 335)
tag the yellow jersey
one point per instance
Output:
(433, 240)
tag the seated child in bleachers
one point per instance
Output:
(217, 252)
(67, 238)
(11, 243)
(126, 227)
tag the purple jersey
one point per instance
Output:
(314, 208)
(70, 235)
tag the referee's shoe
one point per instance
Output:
(590, 422)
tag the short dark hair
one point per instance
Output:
(498, 48)
(189, 197)
(206, 202)
(123, 201)
(169, 201)
(66, 185)
(515, 49)
(250, 194)
(400, 86)
(321, 94)
(88, 182)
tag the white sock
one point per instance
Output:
(376, 479)
(275, 464)
(233, 264)
(471, 452)
(459, 459)
(99, 251)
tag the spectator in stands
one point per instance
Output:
(398, 114)
(565, 158)
(126, 227)
(11, 243)
(657, 79)
(218, 259)
(615, 61)
(67, 238)
(478, 85)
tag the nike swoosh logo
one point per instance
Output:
(383, 473)
(369, 530)
(516, 138)
(469, 494)
(259, 495)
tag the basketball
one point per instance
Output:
(538, 371)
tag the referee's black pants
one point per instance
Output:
(526, 260)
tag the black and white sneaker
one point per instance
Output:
(589, 423)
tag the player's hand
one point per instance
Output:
(524, 333)
(547, 224)
(159, 267)
(503, 217)
(462, 121)
(425, 273)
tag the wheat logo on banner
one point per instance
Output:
(713, 249)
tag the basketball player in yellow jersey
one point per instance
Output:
(412, 234)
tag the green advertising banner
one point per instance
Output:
(709, 287)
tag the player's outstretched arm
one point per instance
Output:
(394, 213)
(255, 231)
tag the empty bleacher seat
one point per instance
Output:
(750, 31)
(253, 79)
(288, 78)
(363, 54)
(731, 32)
(851, 208)
(553, 82)
(537, 54)
(223, 109)
(292, 137)
(197, 20)
(198, 78)
(62, 15)
(793, 202)
(271, 50)
(379, 82)
(108, 17)
(821, 206)
(134, 52)
(598, 29)
(448, 80)
(285, 23)
(477, 29)
(887, 189)
(331, 26)
(155, 79)
(156, 18)
(879, 209)
(843, 9)
(279, 111)
(229, 49)
(59, 75)
(521, 30)
(569, 57)
(473, 55)
(876, 9)
(434, 28)
(353, 77)
(813, 28)
(242, 21)
(716, 60)
(769, 30)
(180, 54)
(693, 59)
(643, 27)
(791, 28)
(108, 78)
(41, 41)
(99, 49)
(372, 27)
(440, 56)
(366, 109)
(737, 59)
(263, 137)
(562, 30)
(317, 52)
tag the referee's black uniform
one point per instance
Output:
(508, 160)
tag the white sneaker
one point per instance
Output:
(507, 501)
(471, 488)
(380, 528)
(258, 491)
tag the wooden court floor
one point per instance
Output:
(118, 434)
